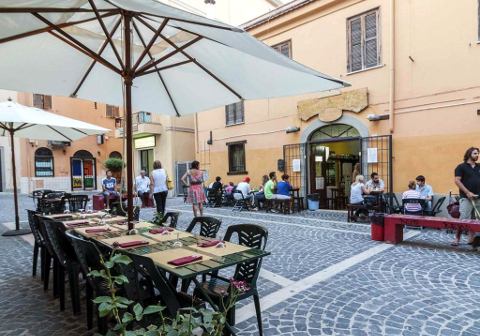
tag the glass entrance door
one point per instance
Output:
(83, 174)
(146, 160)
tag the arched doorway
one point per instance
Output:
(332, 152)
(83, 169)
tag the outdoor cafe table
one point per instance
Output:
(162, 248)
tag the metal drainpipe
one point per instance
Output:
(391, 104)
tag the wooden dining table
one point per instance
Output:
(162, 248)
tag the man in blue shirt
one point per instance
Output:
(109, 185)
(425, 190)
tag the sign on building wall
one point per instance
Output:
(146, 142)
(296, 165)
(372, 156)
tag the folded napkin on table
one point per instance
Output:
(160, 230)
(133, 243)
(185, 260)
(96, 230)
(76, 223)
(209, 243)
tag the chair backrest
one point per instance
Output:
(438, 204)
(239, 192)
(391, 199)
(34, 223)
(143, 276)
(88, 256)
(77, 202)
(172, 217)
(251, 235)
(62, 249)
(209, 226)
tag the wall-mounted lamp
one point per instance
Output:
(210, 141)
(376, 117)
(292, 129)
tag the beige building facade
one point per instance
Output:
(412, 107)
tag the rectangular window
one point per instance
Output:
(236, 158)
(43, 102)
(284, 48)
(234, 113)
(112, 111)
(363, 41)
(144, 117)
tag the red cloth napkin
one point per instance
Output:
(96, 230)
(185, 260)
(209, 243)
(133, 243)
(76, 223)
(160, 230)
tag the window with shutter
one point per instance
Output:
(363, 41)
(236, 158)
(112, 111)
(284, 48)
(42, 101)
(234, 114)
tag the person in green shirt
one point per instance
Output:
(270, 186)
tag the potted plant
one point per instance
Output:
(115, 165)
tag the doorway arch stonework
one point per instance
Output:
(345, 119)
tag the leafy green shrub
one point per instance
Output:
(114, 164)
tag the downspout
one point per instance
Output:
(391, 103)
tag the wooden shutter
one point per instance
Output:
(239, 112)
(230, 114)
(355, 56)
(47, 102)
(371, 43)
(38, 101)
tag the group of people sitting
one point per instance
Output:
(360, 192)
(270, 189)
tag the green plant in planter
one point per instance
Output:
(157, 218)
(114, 164)
(188, 322)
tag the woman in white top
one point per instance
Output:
(158, 186)
(357, 190)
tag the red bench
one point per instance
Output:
(393, 225)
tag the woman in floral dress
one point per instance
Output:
(193, 178)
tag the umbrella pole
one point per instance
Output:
(17, 230)
(128, 79)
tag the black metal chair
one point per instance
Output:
(48, 259)
(209, 226)
(214, 197)
(413, 201)
(88, 256)
(170, 219)
(39, 244)
(116, 210)
(76, 202)
(392, 204)
(240, 201)
(218, 288)
(67, 261)
(436, 208)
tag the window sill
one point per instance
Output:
(237, 173)
(366, 69)
(241, 123)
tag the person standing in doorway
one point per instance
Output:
(193, 178)
(158, 186)
(467, 179)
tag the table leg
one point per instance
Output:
(214, 306)
(393, 231)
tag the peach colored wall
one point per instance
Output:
(437, 94)
(76, 109)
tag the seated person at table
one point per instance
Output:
(109, 185)
(375, 183)
(425, 190)
(409, 194)
(245, 188)
(270, 186)
(142, 186)
(260, 195)
(229, 188)
(357, 190)
(215, 191)
(284, 187)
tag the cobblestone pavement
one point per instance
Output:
(324, 277)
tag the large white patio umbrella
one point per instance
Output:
(21, 121)
(143, 55)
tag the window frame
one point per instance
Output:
(45, 101)
(112, 111)
(230, 146)
(235, 112)
(40, 156)
(278, 48)
(363, 41)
